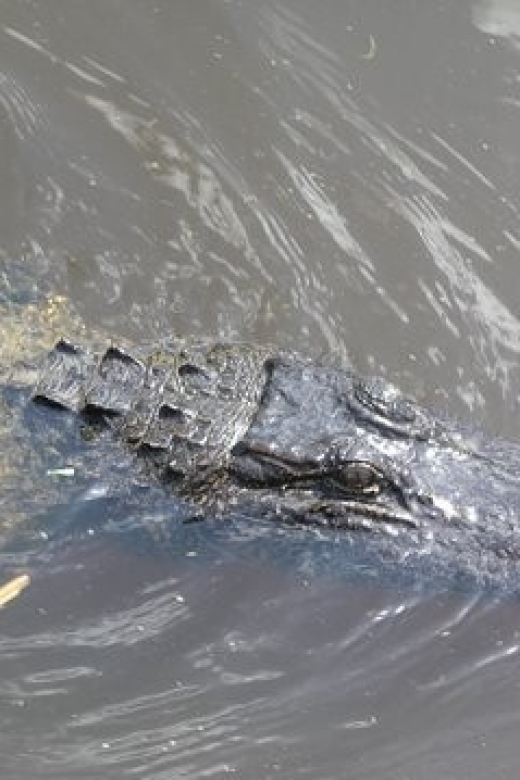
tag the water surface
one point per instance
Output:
(341, 179)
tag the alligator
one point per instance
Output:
(239, 427)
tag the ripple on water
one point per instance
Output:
(243, 664)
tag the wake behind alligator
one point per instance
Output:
(238, 428)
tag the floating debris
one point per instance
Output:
(65, 471)
(372, 49)
(13, 588)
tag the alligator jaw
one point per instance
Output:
(359, 514)
(306, 507)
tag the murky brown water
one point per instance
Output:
(338, 177)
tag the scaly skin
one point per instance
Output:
(237, 429)
(228, 424)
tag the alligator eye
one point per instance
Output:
(359, 477)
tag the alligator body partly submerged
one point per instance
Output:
(237, 425)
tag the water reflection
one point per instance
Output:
(498, 17)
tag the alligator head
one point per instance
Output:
(327, 447)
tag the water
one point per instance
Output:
(339, 179)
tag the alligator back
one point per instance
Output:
(185, 404)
